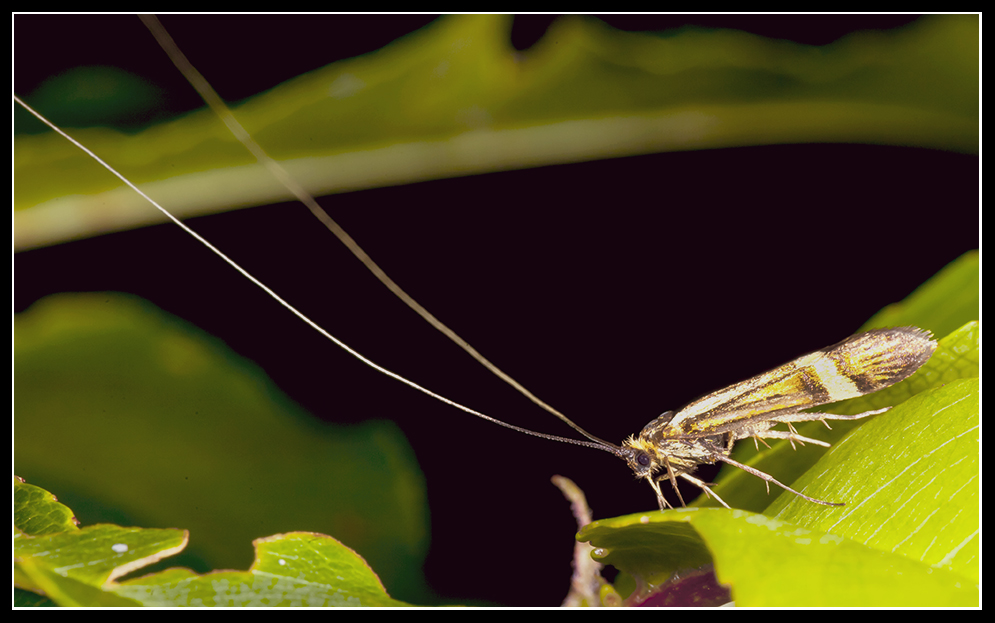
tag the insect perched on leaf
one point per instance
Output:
(673, 445)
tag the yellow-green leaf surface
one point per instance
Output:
(140, 418)
(78, 567)
(46, 515)
(53, 557)
(296, 569)
(455, 99)
(909, 532)
(932, 306)
(912, 480)
(911, 538)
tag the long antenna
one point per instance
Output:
(214, 101)
(600, 445)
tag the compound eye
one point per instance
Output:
(643, 460)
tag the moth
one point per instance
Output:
(673, 445)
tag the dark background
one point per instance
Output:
(613, 290)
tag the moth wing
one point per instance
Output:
(858, 365)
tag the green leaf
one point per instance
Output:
(78, 567)
(956, 358)
(65, 591)
(296, 569)
(768, 562)
(121, 407)
(773, 563)
(908, 537)
(911, 479)
(38, 512)
(97, 554)
(455, 99)
(55, 558)
(909, 532)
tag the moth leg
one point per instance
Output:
(795, 433)
(673, 481)
(767, 477)
(659, 494)
(705, 487)
(791, 440)
(760, 439)
(811, 417)
(856, 416)
(792, 437)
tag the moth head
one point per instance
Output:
(641, 456)
(642, 453)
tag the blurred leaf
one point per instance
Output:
(127, 408)
(455, 99)
(91, 96)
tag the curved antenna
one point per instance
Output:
(594, 443)
(214, 101)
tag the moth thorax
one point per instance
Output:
(659, 450)
(657, 424)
